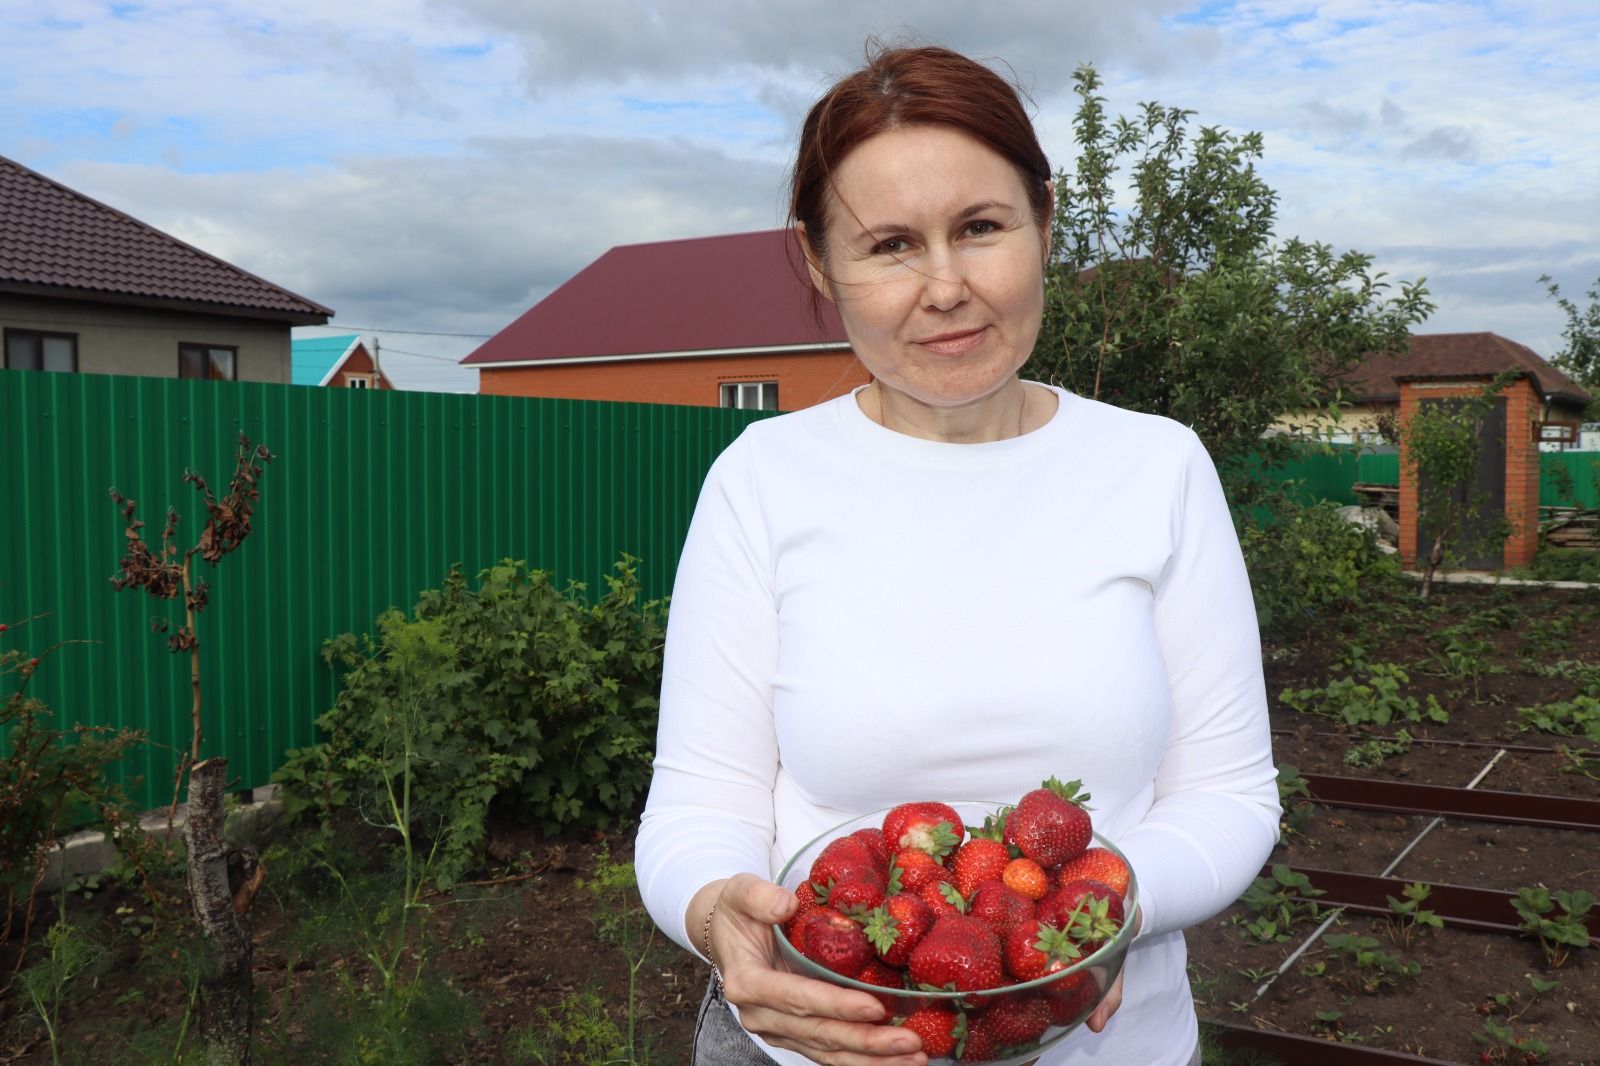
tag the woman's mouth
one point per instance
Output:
(955, 343)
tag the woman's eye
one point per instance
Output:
(890, 246)
(981, 228)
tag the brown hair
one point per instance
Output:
(901, 87)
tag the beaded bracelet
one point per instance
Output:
(705, 943)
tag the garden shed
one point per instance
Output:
(1507, 472)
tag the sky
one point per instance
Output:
(430, 169)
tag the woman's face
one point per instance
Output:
(935, 263)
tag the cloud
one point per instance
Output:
(464, 242)
(1442, 142)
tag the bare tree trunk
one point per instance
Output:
(225, 986)
(1435, 557)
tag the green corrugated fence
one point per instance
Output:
(1328, 474)
(1580, 485)
(372, 496)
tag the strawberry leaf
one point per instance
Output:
(882, 930)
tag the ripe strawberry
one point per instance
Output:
(934, 827)
(998, 905)
(940, 1027)
(806, 894)
(942, 898)
(1050, 825)
(884, 976)
(918, 868)
(1010, 1023)
(979, 1045)
(841, 859)
(896, 927)
(979, 859)
(959, 952)
(1089, 912)
(1026, 878)
(1071, 998)
(873, 839)
(1032, 949)
(1096, 864)
(835, 942)
(858, 893)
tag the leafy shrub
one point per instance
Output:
(1375, 701)
(1304, 563)
(531, 698)
(50, 781)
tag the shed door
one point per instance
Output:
(1489, 487)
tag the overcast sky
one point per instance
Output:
(437, 166)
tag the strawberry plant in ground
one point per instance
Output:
(1484, 654)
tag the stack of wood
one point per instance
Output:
(1569, 527)
(1372, 494)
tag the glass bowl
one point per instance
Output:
(1071, 994)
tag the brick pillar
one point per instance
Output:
(1522, 466)
(1522, 473)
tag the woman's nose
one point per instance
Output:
(944, 284)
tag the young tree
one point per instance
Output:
(222, 882)
(1180, 300)
(1441, 442)
(1580, 359)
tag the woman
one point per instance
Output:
(949, 584)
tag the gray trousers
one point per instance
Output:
(719, 1039)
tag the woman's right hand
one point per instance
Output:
(821, 1021)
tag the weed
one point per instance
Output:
(44, 984)
(1537, 907)
(620, 919)
(1405, 916)
(1278, 902)
(575, 1030)
(1373, 752)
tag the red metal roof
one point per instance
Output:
(710, 294)
(58, 242)
(1438, 355)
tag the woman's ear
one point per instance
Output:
(1049, 218)
(819, 277)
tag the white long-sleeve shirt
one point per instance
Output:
(863, 618)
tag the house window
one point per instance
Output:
(750, 395)
(28, 349)
(212, 361)
(358, 381)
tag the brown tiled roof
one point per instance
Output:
(58, 242)
(710, 294)
(1436, 355)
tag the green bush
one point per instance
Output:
(51, 782)
(516, 694)
(1306, 562)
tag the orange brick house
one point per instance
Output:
(724, 321)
